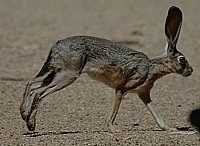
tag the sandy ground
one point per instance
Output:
(77, 115)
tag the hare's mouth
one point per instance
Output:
(186, 74)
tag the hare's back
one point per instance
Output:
(99, 52)
(99, 49)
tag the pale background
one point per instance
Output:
(77, 115)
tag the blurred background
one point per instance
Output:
(29, 28)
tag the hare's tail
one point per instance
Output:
(47, 65)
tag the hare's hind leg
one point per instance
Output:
(50, 84)
(31, 86)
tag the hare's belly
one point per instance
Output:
(107, 76)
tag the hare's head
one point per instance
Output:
(175, 60)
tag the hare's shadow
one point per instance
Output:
(49, 133)
(37, 134)
(186, 128)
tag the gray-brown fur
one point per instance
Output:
(113, 64)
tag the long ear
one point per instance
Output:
(173, 25)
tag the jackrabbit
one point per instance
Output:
(119, 67)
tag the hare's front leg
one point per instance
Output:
(145, 97)
(118, 98)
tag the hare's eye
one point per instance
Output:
(181, 59)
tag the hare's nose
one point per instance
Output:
(191, 69)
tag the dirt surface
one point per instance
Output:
(77, 115)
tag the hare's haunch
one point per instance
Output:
(115, 65)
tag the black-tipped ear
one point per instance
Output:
(173, 25)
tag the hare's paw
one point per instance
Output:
(31, 124)
(167, 128)
(111, 128)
